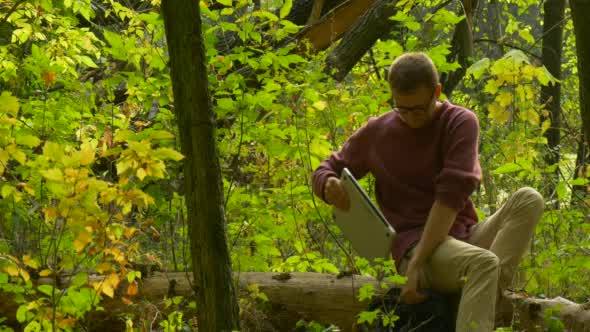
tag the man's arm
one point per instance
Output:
(437, 228)
(353, 155)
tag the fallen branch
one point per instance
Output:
(324, 298)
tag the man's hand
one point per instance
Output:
(335, 194)
(410, 293)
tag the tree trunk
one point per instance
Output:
(580, 12)
(316, 12)
(462, 48)
(361, 37)
(550, 95)
(216, 298)
(579, 191)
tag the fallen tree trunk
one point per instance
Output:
(361, 37)
(324, 298)
(334, 24)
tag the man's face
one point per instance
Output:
(416, 108)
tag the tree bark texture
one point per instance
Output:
(580, 10)
(334, 24)
(216, 298)
(360, 38)
(324, 298)
(461, 49)
(553, 24)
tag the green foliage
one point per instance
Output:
(90, 173)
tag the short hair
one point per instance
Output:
(410, 71)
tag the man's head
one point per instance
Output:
(413, 80)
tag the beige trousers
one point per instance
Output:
(484, 266)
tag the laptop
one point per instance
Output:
(363, 224)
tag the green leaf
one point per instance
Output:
(444, 16)
(286, 8)
(46, 289)
(366, 292)
(79, 280)
(544, 76)
(561, 190)
(8, 103)
(167, 153)
(507, 168)
(87, 61)
(161, 134)
(53, 174)
(579, 182)
(7, 190)
(28, 140)
(477, 69)
(53, 151)
(21, 313)
(517, 56)
(526, 35)
(225, 2)
(368, 316)
(33, 326)
(3, 278)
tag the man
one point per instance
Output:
(424, 157)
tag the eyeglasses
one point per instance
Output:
(416, 110)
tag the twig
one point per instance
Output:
(10, 11)
(501, 43)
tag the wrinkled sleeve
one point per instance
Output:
(461, 172)
(353, 155)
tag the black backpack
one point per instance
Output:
(436, 314)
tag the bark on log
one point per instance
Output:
(311, 296)
(531, 311)
(361, 37)
(334, 24)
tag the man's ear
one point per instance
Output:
(437, 90)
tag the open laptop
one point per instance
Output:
(363, 224)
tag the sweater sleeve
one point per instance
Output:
(461, 172)
(353, 155)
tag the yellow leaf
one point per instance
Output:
(8, 103)
(53, 151)
(141, 174)
(25, 274)
(3, 159)
(53, 174)
(504, 99)
(7, 190)
(19, 156)
(86, 154)
(545, 125)
(108, 290)
(103, 267)
(12, 270)
(320, 105)
(28, 140)
(45, 273)
(129, 231)
(498, 114)
(27, 260)
(82, 240)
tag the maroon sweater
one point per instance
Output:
(413, 168)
